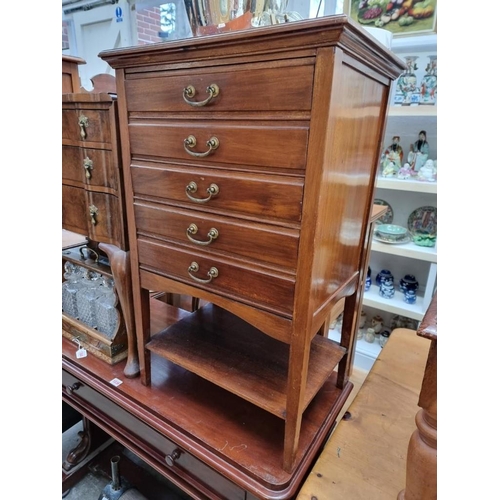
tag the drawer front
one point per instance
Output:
(185, 464)
(257, 287)
(74, 210)
(90, 167)
(275, 197)
(105, 218)
(244, 87)
(96, 215)
(268, 144)
(86, 125)
(260, 242)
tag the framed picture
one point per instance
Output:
(400, 17)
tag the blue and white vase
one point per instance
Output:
(387, 289)
(409, 286)
(368, 280)
(382, 274)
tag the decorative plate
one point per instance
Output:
(423, 219)
(388, 217)
(379, 237)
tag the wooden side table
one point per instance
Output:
(365, 456)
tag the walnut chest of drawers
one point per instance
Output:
(92, 191)
(249, 165)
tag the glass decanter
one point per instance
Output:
(87, 296)
(73, 275)
(106, 308)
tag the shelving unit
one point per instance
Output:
(404, 196)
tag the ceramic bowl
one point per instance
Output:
(391, 229)
(391, 232)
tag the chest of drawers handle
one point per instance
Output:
(192, 187)
(212, 273)
(72, 388)
(190, 142)
(211, 235)
(83, 122)
(94, 211)
(172, 457)
(190, 91)
(88, 165)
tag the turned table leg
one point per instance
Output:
(421, 464)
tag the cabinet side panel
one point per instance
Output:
(355, 126)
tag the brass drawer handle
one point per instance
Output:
(211, 235)
(90, 252)
(172, 457)
(94, 212)
(190, 91)
(190, 142)
(83, 121)
(194, 267)
(88, 165)
(192, 187)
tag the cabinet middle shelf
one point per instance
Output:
(224, 349)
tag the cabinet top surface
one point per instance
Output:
(337, 30)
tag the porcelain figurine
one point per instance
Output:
(377, 323)
(404, 172)
(428, 172)
(362, 320)
(390, 170)
(419, 152)
(393, 156)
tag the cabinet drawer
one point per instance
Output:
(270, 196)
(268, 144)
(258, 287)
(260, 242)
(96, 215)
(89, 167)
(74, 210)
(186, 466)
(86, 125)
(245, 87)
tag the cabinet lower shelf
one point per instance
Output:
(396, 305)
(212, 428)
(227, 351)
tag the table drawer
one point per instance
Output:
(243, 87)
(251, 285)
(86, 125)
(87, 166)
(260, 242)
(272, 144)
(185, 466)
(264, 196)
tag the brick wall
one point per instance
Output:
(148, 25)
